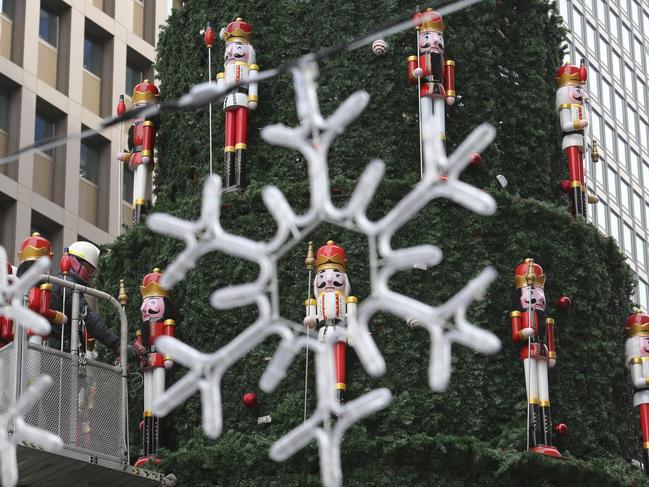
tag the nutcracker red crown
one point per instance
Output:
(637, 324)
(569, 75)
(238, 31)
(34, 247)
(145, 92)
(151, 285)
(429, 21)
(529, 273)
(331, 256)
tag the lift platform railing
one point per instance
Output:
(87, 404)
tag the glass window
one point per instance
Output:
(633, 162)
(603, 51)
(92, 55)
(619, 108)
(127, 184)
(637, 207)
(593, 83)
(643, 133)
(4, 112)
(598, 169)
(606, 94)
(590, 38)
(635, 12)
(640, 92)
(133, 77)
(563, 9)
(590, 4)
(596, 124)
(625, 195)
(613, 23)
(43, 130)
(7, 8)
(601, 216)
(89, 163)
(616, 64)
(637, 54)
(645, 174)
(626, 38)
(628, 240)
(645, 18)
(609, 141)
(628, 78)
(601, 11)
(631, 121)
(611, 178)
(48, 28)
(642, 293)
(640, 250)
(577, 19)
(621, 152)
(615, 226)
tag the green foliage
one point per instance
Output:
(506, 54)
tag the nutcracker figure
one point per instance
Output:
(535, 333)
(332, 306)
(155, 311)
(141, 142)
(239, 66)
(637, 360)
(39, 299)
(570, 104)
(6, 325)
(429, 69)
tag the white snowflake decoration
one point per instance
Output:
(12, 292)
(313, 138)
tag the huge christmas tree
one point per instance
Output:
(506, 53)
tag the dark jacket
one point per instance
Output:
(94, 323)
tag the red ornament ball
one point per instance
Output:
(563, 302)
(561, 428)
(250, 400)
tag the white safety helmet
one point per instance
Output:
(85, 251)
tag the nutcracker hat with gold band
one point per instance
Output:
(529, 273)
(637, 323)
(331, 256)
(569, 75)
(34, 247)
(151, 285)
(145, 92)
(429, 21)
(237, 31)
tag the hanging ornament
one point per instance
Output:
(239, 67)
(563, 303)
(535, 333)
(379, 46)
(250, 400)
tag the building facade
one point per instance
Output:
(63, 66)
(613, 36)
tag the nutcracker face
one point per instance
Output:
(576, 94)
(236, 51)
(331, 280)
(532, 297)
(431, 42)
(153, 308)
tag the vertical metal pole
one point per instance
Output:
(209, 74)
(123, 332)
(74, 369)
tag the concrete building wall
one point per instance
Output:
(42, 72)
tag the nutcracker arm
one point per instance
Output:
(638, 378)
(310, 313)
(449, 78)
(169, 326)
(220, 80)
(412, 65)
(148, 141)
(352, 319)
(565, 116)
(124, 156)
(45, 306)
(517, 326)
(253, 94)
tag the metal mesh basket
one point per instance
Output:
(83, 405)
